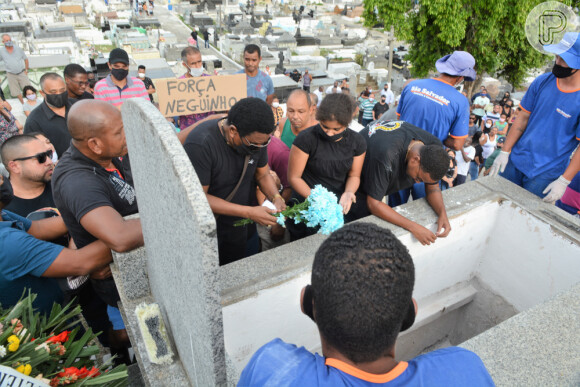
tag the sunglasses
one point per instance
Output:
(41, 157)
(249, 143)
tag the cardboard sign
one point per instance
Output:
(179, 97)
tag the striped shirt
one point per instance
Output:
(106, 90)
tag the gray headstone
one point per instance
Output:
(183, 270)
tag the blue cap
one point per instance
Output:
(458, 64)
(568, 49)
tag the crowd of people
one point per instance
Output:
(69, 186)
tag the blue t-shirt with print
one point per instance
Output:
(260, 86)
(553, 129)
(280, 364)
(23, 260)
(435, 106)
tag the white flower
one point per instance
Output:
(2, 351)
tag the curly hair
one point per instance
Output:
(251, 115)
(362, 284)
(434, 161)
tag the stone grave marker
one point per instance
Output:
(181, 259)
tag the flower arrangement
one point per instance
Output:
(321, 208)
(30, 344)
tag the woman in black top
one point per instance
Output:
(329, 154)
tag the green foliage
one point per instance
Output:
(324, 52)
(491, 30)
(359, 59)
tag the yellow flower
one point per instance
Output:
(13, 343)
(24, 369)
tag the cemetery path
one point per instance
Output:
(171, 22)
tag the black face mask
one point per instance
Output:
(119, 74)
(562, 72)
(326, 137)
(57, 100)
(6, 192)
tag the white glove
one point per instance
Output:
(499, 163)
(556, 189)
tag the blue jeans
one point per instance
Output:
(535, 185)
(365, 121)
(401, 197)
(473, 170)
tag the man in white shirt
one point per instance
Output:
(464, 156)
(333, 89)
(320, 94)
(479, 104)
(389, 96)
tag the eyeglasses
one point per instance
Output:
(249, 143)
(40, 157)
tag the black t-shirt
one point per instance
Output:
(24, 207)
(80, 185)
(84, 95)
(380, 109)
(44, 120)
(385, 169)
(148, 82)
(329, 162)
(220, 166)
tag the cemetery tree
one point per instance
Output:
(490, 30)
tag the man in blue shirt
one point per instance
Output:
(536, 153)
(258, 83)
(30, 263)
(360, 299)
(436, 106)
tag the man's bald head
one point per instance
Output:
(89, 118)
(298, 94)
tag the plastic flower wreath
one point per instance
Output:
(320, 209)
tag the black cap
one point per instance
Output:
(118, 55)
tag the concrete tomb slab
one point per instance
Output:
(495, 275)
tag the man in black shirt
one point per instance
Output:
(295, 75)
(30, 168)
(93, 189)
(398, 155)
(230, 157)
(380, 108)
(50, 117)
(146, 81)
(77, 82)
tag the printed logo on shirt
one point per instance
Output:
(124, 190)
(563, 113)
(385, 126)
(76, 281)
(251, 161)
(423, 92)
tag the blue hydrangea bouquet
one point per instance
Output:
(321, 208)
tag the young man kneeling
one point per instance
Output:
(360, 299)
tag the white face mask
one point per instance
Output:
(502, 119)
(141, 75)
(371, 99)
(31, 97)
(196, 72)
(275, 104)
(488, 125)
